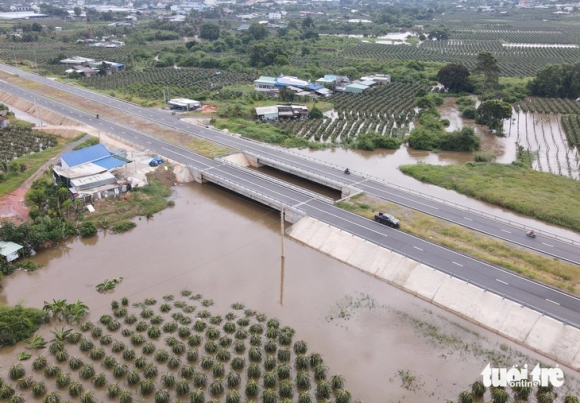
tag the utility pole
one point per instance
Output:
(282, 230)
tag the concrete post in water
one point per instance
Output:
(282, 229)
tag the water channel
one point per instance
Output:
(228, 249)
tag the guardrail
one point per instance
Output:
(279, 182)
(466, 280)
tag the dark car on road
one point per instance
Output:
(387, 219)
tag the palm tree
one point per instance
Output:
(570, 399)
(61, 335)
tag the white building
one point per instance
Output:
(274, 16)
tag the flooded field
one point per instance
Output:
(228, 249)
(541, 134)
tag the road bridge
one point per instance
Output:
(333, 176)
(543, 299)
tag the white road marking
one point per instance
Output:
(503, 282)
(418, 248)
(553, 302)
(468, 218)
(458, 264)
(504, 230)
(551, 246)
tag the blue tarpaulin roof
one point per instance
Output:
(84, 155)
(109, 162)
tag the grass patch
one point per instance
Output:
(88, 143)
(265, 132)
(143, 201)
(33, 162)
(553, 272)
(551, 198)
(123, 226)
(207, 148)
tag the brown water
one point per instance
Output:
(228, 249)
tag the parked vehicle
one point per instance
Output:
(387, 219)
(155, 162)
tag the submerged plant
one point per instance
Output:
(107, 284)
(87, 371)
(162, 396)
(191, 355)
(75, 363)
(109, 362)
(270, 379)
(125, 396)
(25, 383)
(88, 397)
(233, 379)
(113, 390)
(120, 370)
(154, 332)
(16, 372)
(148, 348)
(197, 396)
(216, 388)
(38, 389)
(252, 388)
(100, 380)
(63, 380)
(199, 379)
(187, 371)
(194, 340)
(147, 386)
(182, 387)
(254, 371)
(51, 371)
(39, 363)
(97, 353)
(133, 377)
(130, 319)
(168, 379)
(106, 340)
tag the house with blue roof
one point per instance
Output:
(86, 172)
(97, 154)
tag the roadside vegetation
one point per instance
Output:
(551, 198)
(550, 271)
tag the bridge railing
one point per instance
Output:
(277, 181)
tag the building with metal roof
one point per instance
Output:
(97, 154)
(184, 103)
(9, 250)
(356, 88)
(267, 112)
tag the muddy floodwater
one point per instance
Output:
(228, 249)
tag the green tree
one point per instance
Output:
(77, 11)
(209, 31)
(455, 77)
(258, 31)
(257, 53)
(492, 113)
(308, 23)
(487, 66)
(18, 323)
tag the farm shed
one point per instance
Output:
(4, 122)
(9, 250)
(368, 83)
(265, 83)
(77, 60)
(356, 88)
(327, 79)
(267, 112)
(184, 103)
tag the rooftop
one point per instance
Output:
(8, 248)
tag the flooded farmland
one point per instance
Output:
(228, 249)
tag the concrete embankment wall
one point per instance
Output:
(45, 115)
(540, 333)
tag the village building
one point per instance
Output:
(87, 173)
(4, 122)
(10, 250)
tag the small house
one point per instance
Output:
(265, 83)
(184, 104)
(10, 250)
(267, 113)
(4, 122)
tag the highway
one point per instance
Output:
(544, 299)
(513, 232)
